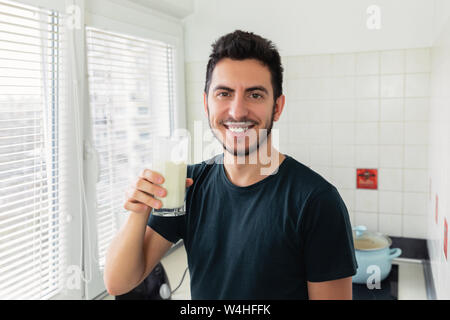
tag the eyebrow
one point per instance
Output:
(260, 88)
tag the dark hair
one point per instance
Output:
(241, 45)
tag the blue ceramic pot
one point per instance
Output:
(373, 255)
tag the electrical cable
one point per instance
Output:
(181, 281)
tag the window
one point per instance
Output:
(131, 94)
(31, 199)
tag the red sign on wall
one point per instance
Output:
(445, 237)
(367, 178)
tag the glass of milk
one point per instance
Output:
(170, 158)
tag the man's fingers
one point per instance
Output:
(136, 207)
(189, 182)
(152, 176)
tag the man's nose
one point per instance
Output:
(238, 109)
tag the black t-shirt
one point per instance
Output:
(263, 241)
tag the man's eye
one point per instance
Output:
(222, 94)
(256, 96)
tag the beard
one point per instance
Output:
(251, 148)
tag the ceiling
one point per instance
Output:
(176, 8)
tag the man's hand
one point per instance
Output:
(140, 196)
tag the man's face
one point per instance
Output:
(240, 103)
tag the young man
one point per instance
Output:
(270, 228)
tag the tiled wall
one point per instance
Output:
(356, 110)
(439, 160)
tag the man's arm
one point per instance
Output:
(340, 289)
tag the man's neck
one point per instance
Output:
(245, 172)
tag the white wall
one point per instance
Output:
(439, 155)
(311, 27)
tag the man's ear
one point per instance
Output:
(205, 103)
(279, 106)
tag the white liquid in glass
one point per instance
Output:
(174, 182)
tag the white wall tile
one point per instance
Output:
(367, 63)
(343, 133)
(318, 88)
(414, 203)
(416, 157)
(297, 88)
(344, 64)
(317, 65)
(390, 224)
(367, 110)
(320, 111)
(324, 171)
(370, 220)
(344, 156)
(416, 133)
(299, 111)
(300, 152)
(391, 110)
(344, 178)
(283, 131)
(392, 86)
(390, 202)
(294, 67)
(391, 133)
(367, 86)
(366, 200)
(417, 85)
(418, 60)
(416, 109)
(390, 179)
(320, 133)
(391, 156)
(415, 180)
(366, 156)
(366, 133)
(392, 61)
(343, 87)
(343, 110)
(321, 155)
(299, 133)
(413, 226)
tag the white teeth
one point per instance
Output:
(238, 127)
(238, 130)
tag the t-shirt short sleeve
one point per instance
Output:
(327, 237)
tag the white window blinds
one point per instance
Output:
(31, 238)
(131, 90)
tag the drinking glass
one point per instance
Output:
(170, 158)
